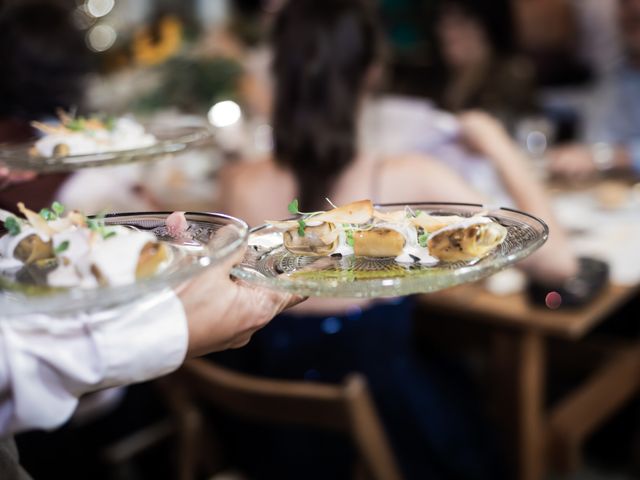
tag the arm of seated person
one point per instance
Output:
(581, 161)
(419, 178)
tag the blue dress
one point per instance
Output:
(428, 409)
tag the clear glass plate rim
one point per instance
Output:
(15, 156)
(146, 286)
(302, 286)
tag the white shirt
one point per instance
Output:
(392, 125)
(47, 363)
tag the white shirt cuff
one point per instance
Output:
(143, 342)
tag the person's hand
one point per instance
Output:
(574, 162)
(223, 313)
(483, 133)
(11, 177)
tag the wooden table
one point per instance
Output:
(544, 437)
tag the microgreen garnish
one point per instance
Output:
(62, 247)
(301, 227)
(76, 124)
(58, 208)
(410, 213)
(47, 214)
(293, 207)
(96, 224)
(422, 239)
(12, 225)
(294, 210)
(110, 123)
(53, 213)
(330, 202)
(349, 235)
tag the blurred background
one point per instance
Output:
(531, 374)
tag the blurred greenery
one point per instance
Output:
(193, 85)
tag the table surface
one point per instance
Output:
(475, 302)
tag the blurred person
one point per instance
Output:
(476, 44)
(549, 33)
(613, 123)
(326, 59)
(598, 43)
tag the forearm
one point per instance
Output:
(555, 260)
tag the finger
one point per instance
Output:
(233, 259)
(263, 304)
(292, 300)
(221, 239)
(295, 300)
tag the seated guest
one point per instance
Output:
(476, 43)
(613, 127)
(326, 57)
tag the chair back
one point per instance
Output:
(345, 408)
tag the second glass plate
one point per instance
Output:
(269, 264)
(210, 238)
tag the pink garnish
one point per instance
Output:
(177, 224)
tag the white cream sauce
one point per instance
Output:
(126, 135)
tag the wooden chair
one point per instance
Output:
(345, 408)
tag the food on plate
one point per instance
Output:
(177, 224)
(72, 250)
(378, 242)
(74, 135)
(470, 239)
(406, 235)
(613, 195)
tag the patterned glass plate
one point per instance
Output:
(210, 238)
(170, 140)
(350, 276)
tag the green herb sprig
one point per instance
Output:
(53, 213)
(12, 225)
(97, 225)
(423, 238)
(76, 124)
(349, 234)
(293, 209)
(63, 247)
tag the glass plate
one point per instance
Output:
(276, 268)
(211, 238)
(170, 140)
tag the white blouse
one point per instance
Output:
(47, 363)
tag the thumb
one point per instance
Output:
(266, 303)
(221, 239)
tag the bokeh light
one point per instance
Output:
(101, 37)
(99, 8)
(553, 300)
(536, 142)
(224, 114)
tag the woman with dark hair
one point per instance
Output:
(326, 59)
(477, 47)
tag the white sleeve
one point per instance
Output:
(47, 363)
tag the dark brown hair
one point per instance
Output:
(323, 51)
(44, 59)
